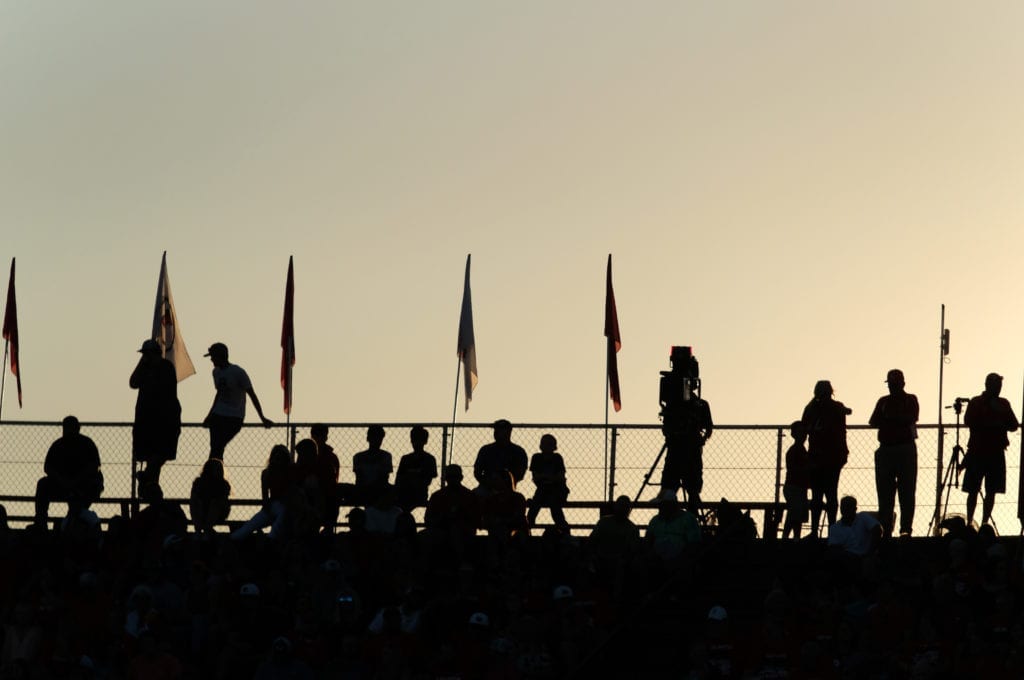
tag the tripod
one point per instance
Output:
(951, 477)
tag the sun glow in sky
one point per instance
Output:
(793, 188)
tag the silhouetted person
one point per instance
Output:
(209, 500)
(454, 509)
(372, 468)
(672, 530)
(989, 417)
(228, 410)
(499, 457)
(825, 420)
(502, 508)
(856, 533)
(895, 416)
(686, 424)
(328, 468)
(277, 483)
(157, 412)
(73, 475)
(797, 482)
(548, 470)
(416, 471)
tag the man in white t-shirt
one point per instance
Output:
(228, 411)
(857, 533)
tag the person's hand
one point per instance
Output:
(206, 422)
(267, 422)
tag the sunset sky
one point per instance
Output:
(793, 188)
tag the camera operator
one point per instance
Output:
(686, 425)
(989, 417)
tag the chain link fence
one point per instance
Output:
(741, 462)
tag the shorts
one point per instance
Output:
(988, 466)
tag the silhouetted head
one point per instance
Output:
(279, 456)
(218, 353)
(213, 468)
(993, 384)
(150, 347)
(548, 443)
(823, 389)
(798, 431)
(622, 507)
(305, 451)
(502, 430)
(71, 426)
(453, 474)
(895, 380)
(418, 436)
(318, 432)
(848, 508)
(375, 435)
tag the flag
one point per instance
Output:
(165, 326)
(611, 331)
(288, 339)
(467, 343)
(10, 331)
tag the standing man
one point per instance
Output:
(825, 420)
(686, 425)
(499, 457)
(895, 416)
(989, 417)
(157, 414)
(228, 410)
(72, 472)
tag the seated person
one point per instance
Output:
(372, 468)
(500, 457)
(454, 509)
(672, 530)
(502, 508)
(73, 475)
(277, 486)
(209, 502)
(416, 471)
(856, 533)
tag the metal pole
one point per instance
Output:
(778, 464)
(611, 468)
(455, 402)
(943, 351)
(444, 452)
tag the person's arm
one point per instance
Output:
(135, 381)
(267, 422)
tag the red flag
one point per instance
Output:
(467, 341)
(10, 331)
(288, 339)
(611, 331)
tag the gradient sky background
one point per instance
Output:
(791, 187)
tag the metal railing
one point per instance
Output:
(741, 462)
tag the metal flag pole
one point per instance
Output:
(943, 353)
(3, 379)
(455, 410)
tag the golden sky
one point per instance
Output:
(794, 188)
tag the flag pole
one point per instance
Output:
(1020, 482)
(455, 410)
(607, 386)
(3, 378)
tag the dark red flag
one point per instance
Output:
(288, 339)
(611, 331)
(10, 331)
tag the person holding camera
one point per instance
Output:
(988, 417)
(895, 416)
(687, 425)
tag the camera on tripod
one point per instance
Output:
(679, 392)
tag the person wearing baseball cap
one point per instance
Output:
(988, 417)
(228, 410)
(157, 415)
(895, 416)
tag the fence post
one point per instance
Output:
(611, 465)
(778, 464)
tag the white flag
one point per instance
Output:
(165, 326)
